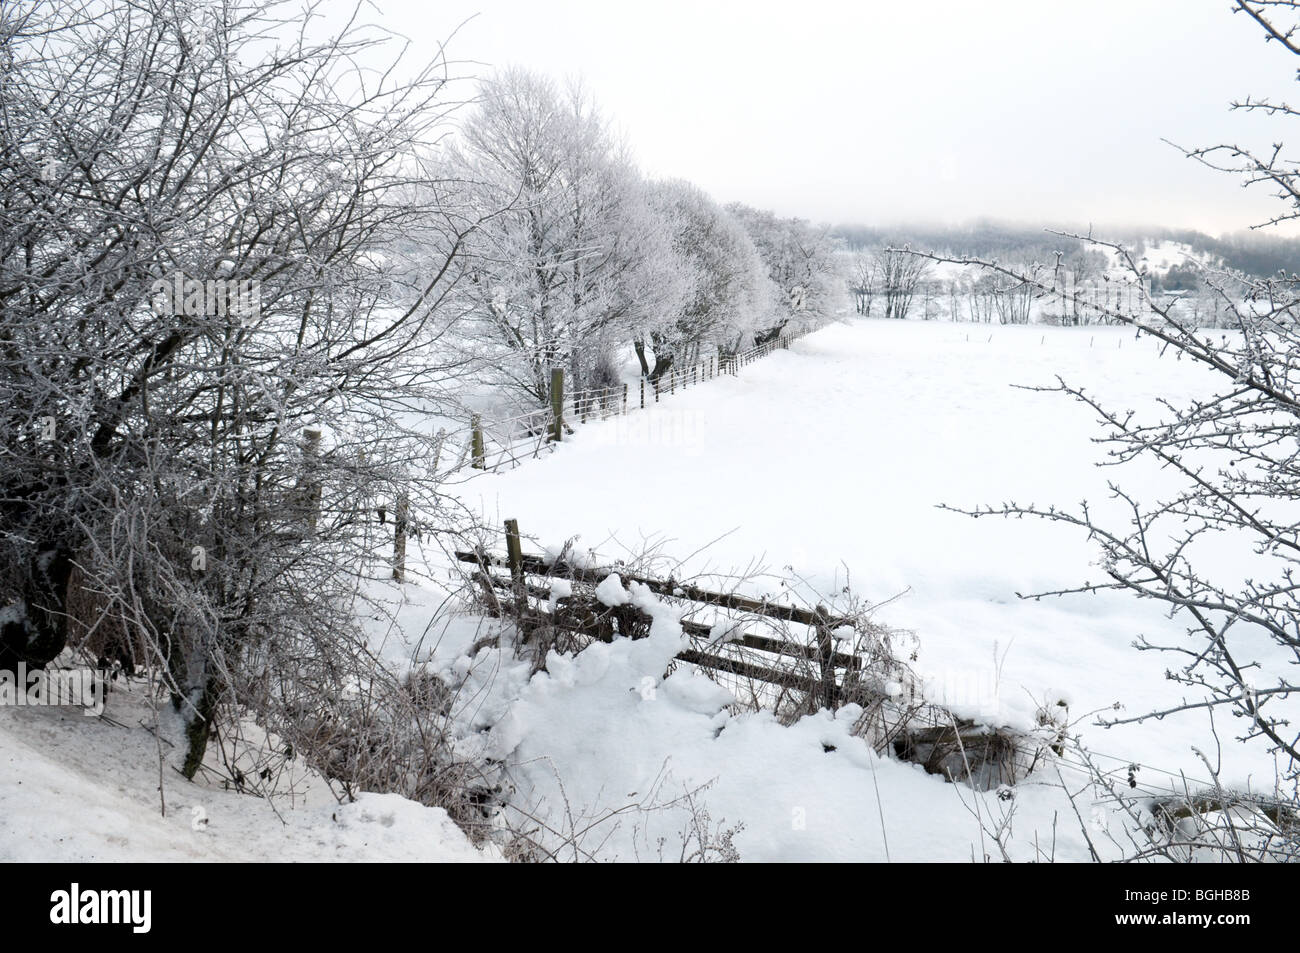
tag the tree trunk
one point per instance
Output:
(39, 632)
(198, 724)
(639, 347)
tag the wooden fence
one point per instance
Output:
(521, 594)
(789, 651)
(506, 443)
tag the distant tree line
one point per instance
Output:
(579, 260)
(1252, 253)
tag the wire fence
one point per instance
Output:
(493, 444)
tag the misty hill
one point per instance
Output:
(1251, 252)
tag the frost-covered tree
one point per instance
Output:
(572, 258)
(864, 282)
(726, 291)
(900, 275)
(202, 348)
(801, 261)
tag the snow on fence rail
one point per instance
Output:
(788, 658)
(818, 671)
(822, 669)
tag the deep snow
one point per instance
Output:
(831, 459)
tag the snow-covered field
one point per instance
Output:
(832, 459)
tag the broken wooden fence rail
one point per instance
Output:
(818, 660)
(761, 643)
(917, 731)
(559, 569)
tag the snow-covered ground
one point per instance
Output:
(833, 459)
(82, 789)
(1163, 255)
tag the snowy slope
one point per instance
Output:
(74, 788)
(1163, 255)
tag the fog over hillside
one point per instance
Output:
(1253, 252)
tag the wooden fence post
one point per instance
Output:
(643, 393)
(515, 559)
(557, 404)
(438, 442)
(400, 516)
(514, 552)
(624, 397)
(826, 658)
(478, 458)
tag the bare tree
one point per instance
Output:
(1013, 300)
(956, 288)
(1236, 461)
(204, 348)
(863, 282)
(900, 274)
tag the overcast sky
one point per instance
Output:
(878, 112)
